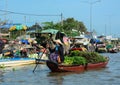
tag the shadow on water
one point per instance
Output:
(1, 76)
(58, 78)
(55, 74)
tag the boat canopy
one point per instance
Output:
(52, 31)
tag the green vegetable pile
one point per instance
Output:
(76, 60)
(82, 58)
(93, 57)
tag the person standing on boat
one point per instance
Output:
(59, 49)
(57, 54)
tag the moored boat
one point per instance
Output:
(113, 50)
(16, 62)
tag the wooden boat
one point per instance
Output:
(54, 67)
(113, 50)
(91, 66)
(13, 63)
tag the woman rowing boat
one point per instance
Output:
(57, 54)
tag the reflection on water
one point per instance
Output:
(55, 78)
(1, 76)
(58, 78)
(23, 75)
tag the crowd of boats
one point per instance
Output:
(29, 47)
(26, 47)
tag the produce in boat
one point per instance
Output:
(79, 61)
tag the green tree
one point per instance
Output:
(72, 24)
(51, 25)
(36, 27)
(68, 25)
(48, 25)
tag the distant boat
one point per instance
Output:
(101, 47)
(113, 50)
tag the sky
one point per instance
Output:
(104, 19)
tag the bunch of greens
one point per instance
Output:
(68, 60)
(90, 57)
(76, 60)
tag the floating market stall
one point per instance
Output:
(79, 61)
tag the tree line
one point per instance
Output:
(69, 26)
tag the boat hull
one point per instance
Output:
(17, 63)
(113, 51)
(91, 66)
(54, 67)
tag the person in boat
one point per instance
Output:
(1, 46)
(66, 45)
(23, 50)
(57, 54)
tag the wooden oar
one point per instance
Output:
(39, 60)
